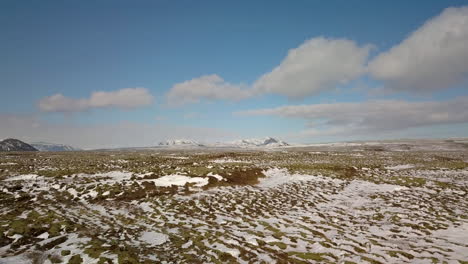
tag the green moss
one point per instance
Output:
(225, 257)
(378, 217)
(55, 259)
(19, 226)
(444, 185)
(54, 229)
(407, 181)
(126, 257)
(93, 252)
(370, 260)
(359, 250)
(308, 256)
(103, 260)
(76, 259)
(396, 253)
(281, 245)
(54, 243)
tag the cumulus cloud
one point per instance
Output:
(127, 98)
(105, 135)
(373, 116)
(209, 87)
(433, 57)
(319, 64)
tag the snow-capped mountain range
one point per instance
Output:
(268, 142)
(265, 142)
(12, 144)
(44, 146)
(180, 143)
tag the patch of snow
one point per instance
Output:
(93, 194)
(357, 192)
(188, 244)
(179, 180)
(116, 175)
(225, 160)
(154, 238)
(44, 235)
(221, 247)
(19, 259)
(218, 177)
(8, 164)
(24, 177)
(276, 176)
(180, 157)
(146, 206)
(73, 192)
(400, 167)
(454, 234)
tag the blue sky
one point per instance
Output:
(77, 48)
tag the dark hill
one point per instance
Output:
(12, 144)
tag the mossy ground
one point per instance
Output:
(345, 214)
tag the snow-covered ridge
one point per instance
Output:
(44, 146)
(265, 142)
(180, 142)
(242, 143)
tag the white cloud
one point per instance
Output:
(373, 116)
(433, 57)
(211, 87)
(317, 65)
(125, 98)
(104, 135)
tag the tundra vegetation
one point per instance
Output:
(282, 206)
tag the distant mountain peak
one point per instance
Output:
(12, 144)
(45, 146)
(180, 143)
(265, 142)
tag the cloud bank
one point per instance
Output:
(373, 116)
(434, 57)
(127, 98)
